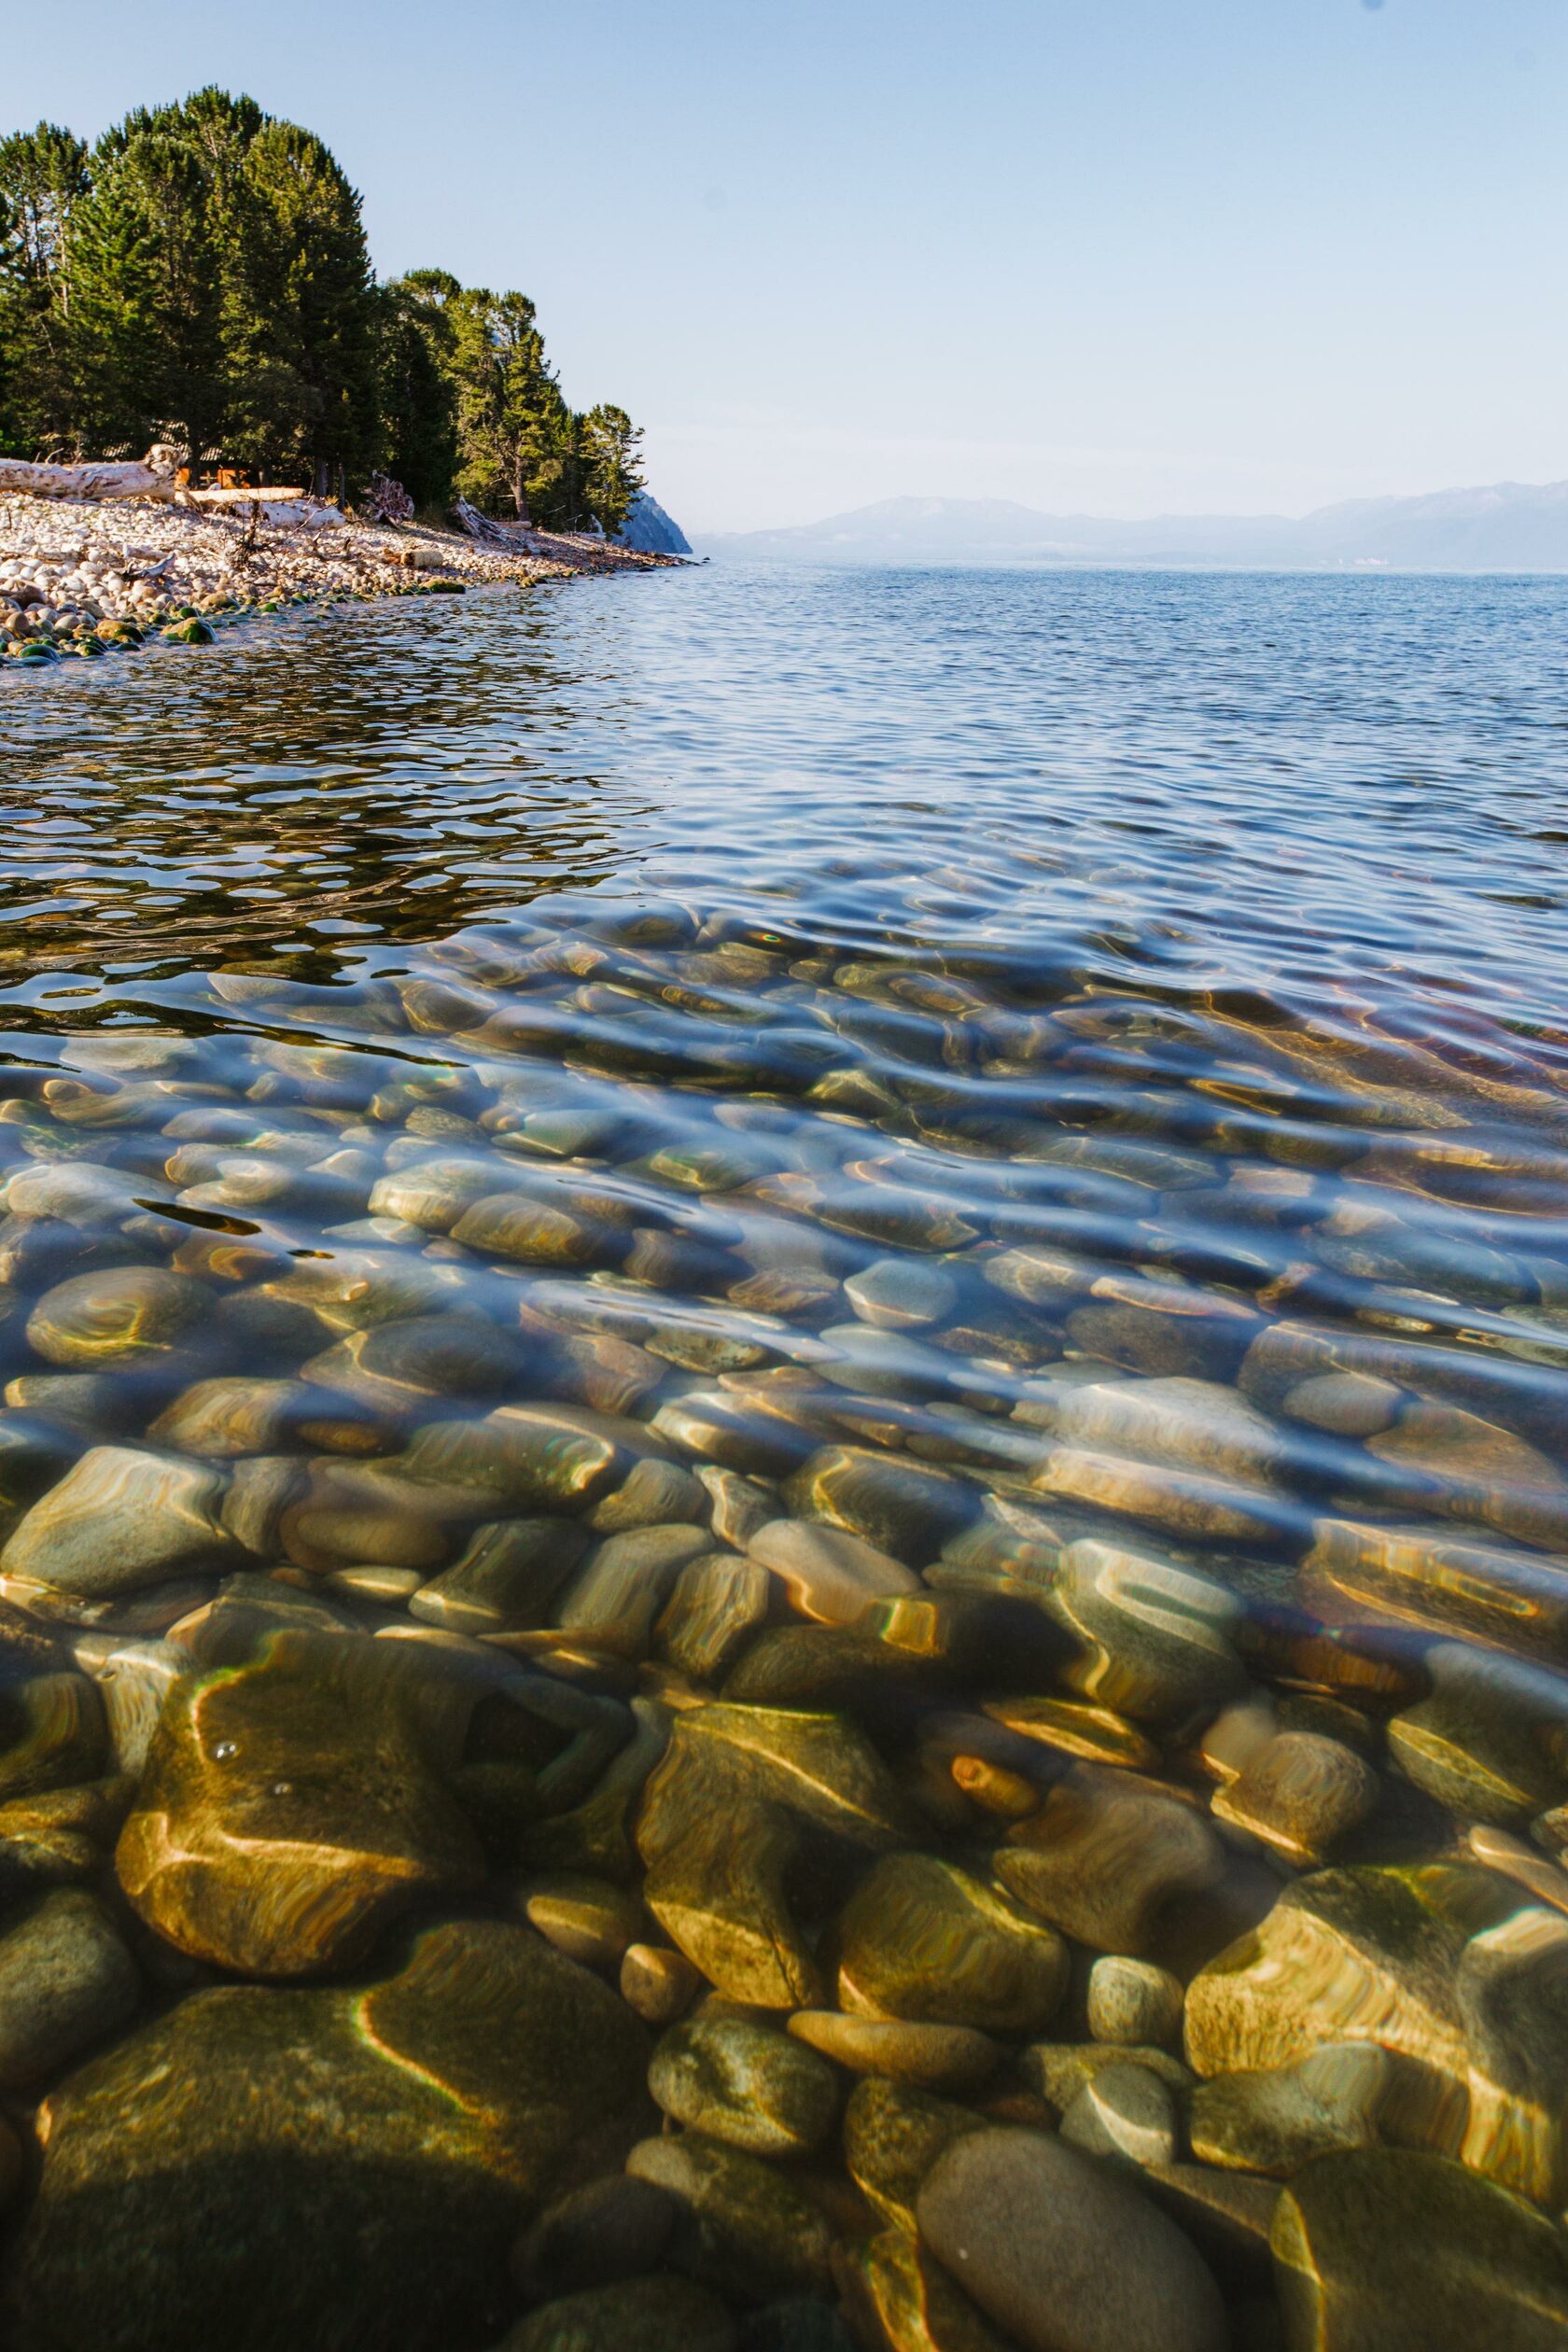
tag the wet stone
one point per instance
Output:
(1443, 1578)
(1302, 1795)
(530, 1457)
(345, 1514)
(615, 2228)
(1512, 1987)
(616, 1597)
(1278, 2121)
(1060, 2072)
(740, 1505)
(289, 1808)
(746, 2085)
(118, 1315)
(1108, 1859)
(398, 1365)
(924, 1942)
(353, 2163)
(1357, 1954)
(660, 1985)
(1379, 2249)
(1133, 2001)
(901, 1507)
(954, 2058)
(893, 2135)
(829, 1575)
(509, 1575)
(586, 1918)
(906, 2298)
(748, 2233)
(1491, 1743)
(66, 1979)
(657, 2315)
(97, 1404)
(120, 1519)
(1124, 2112)
(1097, 1734)
(1344, 1404)
(132, 1679)
(717, 1602)
(1026, 2222)
(654, 1494)
(1157, 1640)
(902, 1293)
(51, 1734)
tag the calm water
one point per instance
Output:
(516, 1119)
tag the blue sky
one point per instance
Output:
(1123, 256)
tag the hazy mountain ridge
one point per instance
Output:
(1503, 526)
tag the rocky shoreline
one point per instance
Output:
(84, 577)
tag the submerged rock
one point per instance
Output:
(289, 1808)
(657, 2315)
(746, 2085)
(120, 1315)
(1063, 2255)
(66, 1979)
(121, 1518)
(1277, 2122)
(923, 1940)
(331, 2167)
(1382, 2249)
(747, 2231)
(906, 2298)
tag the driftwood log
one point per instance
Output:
(515, 538)
(150, 477)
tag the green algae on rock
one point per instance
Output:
(324, 2165)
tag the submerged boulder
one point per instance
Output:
(334, 2167)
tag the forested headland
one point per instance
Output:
(202, 273)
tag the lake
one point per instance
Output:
(784, 1467)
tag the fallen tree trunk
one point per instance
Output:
(102, 479)
(515, 538)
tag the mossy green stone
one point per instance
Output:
(1384, 2250)
(923, 1940)
(748, 2232)
(331, 2167)
(745, 2084)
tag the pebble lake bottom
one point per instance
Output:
(784, 1472)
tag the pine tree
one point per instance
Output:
(611, 472)
(147, 262)
(418, 405)
(43, 178)
(299, 313)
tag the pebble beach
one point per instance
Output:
(84, 577)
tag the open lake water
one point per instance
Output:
(803, 1337)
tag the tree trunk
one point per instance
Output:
(95, 481)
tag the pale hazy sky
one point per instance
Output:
(1117, 254)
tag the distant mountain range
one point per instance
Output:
(1510, 526)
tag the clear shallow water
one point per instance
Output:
(1058, 1078)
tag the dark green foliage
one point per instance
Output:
(418, 404)
(43, 179)
(611, 475)
(204, 270)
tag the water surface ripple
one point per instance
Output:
(1046, 1092)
